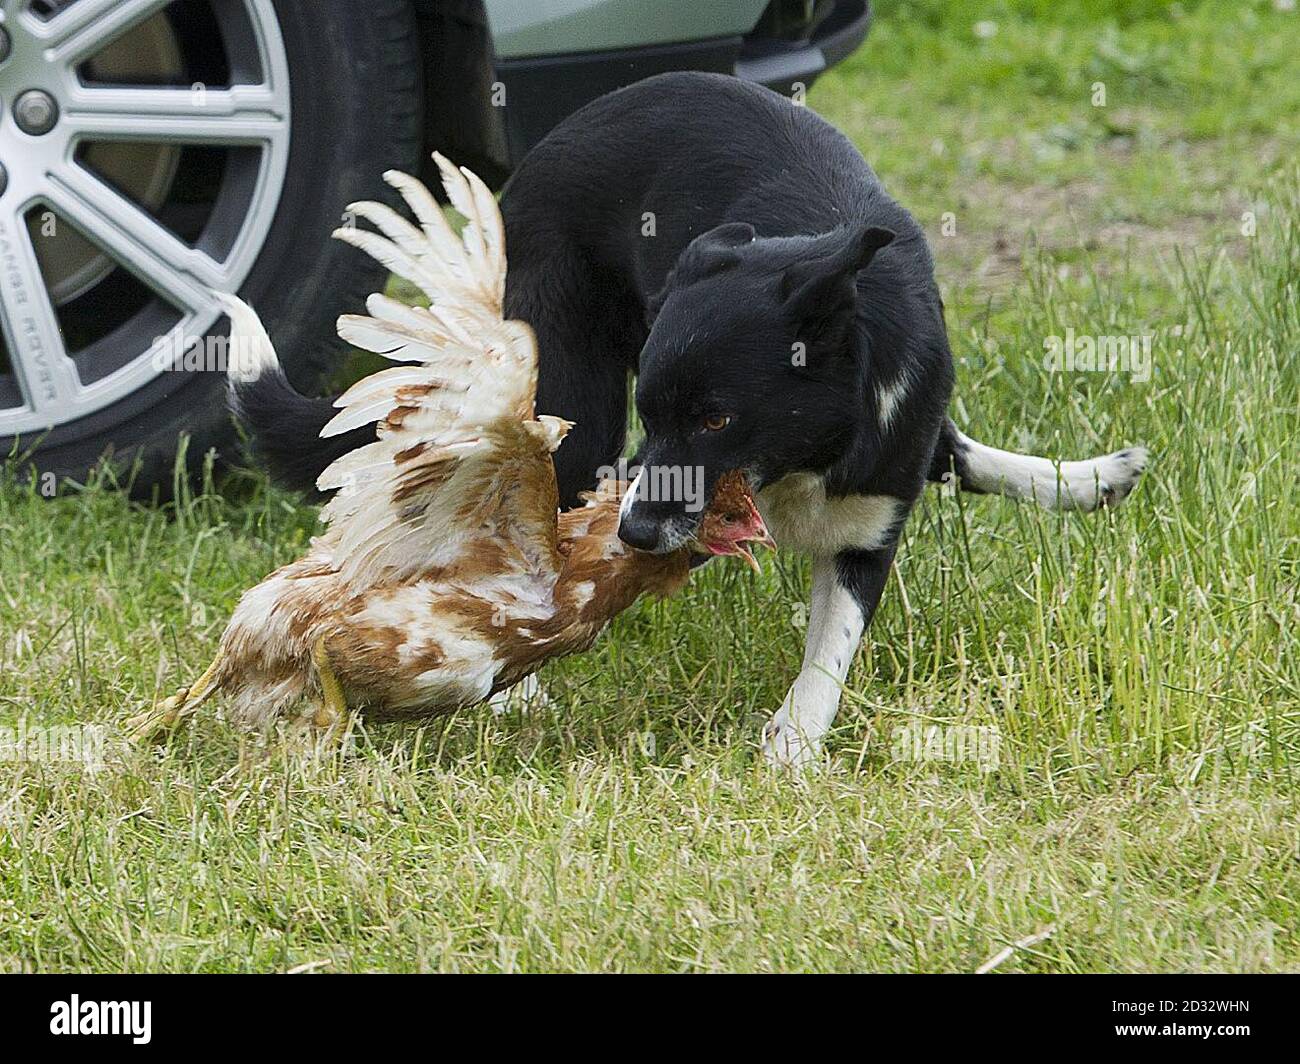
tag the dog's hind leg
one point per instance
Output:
(1081, 485)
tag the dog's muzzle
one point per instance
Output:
(641, 527)
(639, 531)
(653, 524)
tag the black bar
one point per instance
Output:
(982, 1014)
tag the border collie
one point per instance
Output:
(779, 310)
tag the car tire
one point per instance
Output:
(356, 106)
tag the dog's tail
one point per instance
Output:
(284, 425)
(1083, 485)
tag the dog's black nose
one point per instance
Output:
(639, 531)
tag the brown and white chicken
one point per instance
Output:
(444, 573)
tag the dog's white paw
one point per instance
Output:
(787, 747)
(1118, 474)
(1086, 485)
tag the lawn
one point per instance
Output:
(1136, 673)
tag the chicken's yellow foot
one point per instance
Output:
(333, 709)
(162, 718)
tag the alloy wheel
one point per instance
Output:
(143, 150)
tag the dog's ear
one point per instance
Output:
(823, 279)
(717, 248)
(709, 253)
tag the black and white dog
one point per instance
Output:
(779, 309)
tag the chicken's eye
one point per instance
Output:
(716, 422)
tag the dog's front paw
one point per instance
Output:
(786, 746)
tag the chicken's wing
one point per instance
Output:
(460, 455)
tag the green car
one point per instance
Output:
(152, 151)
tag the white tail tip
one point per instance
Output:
(251, 352)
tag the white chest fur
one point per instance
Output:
(801, 517)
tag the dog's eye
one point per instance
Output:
(716, 422)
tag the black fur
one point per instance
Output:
(769, 230)
(682, 155)
(950, 458)
(285, 428)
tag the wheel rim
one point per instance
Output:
(129, 191)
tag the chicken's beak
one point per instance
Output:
(737, 548)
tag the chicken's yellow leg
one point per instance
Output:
(170, 711)
(334, 706)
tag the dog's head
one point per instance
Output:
(749, 366)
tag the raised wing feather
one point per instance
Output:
(460, 464)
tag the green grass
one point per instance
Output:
(1141, 667)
